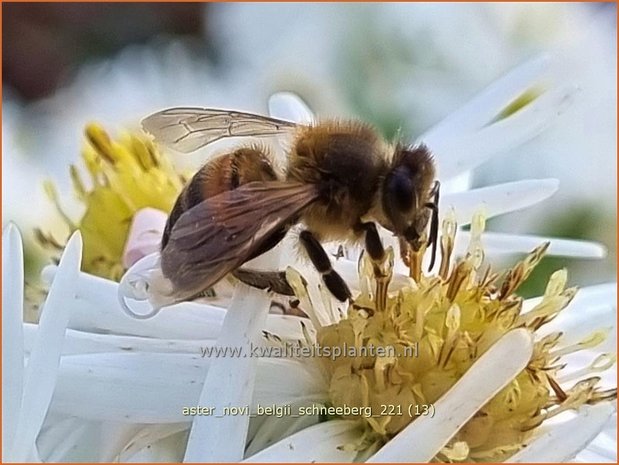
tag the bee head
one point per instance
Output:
(410, 195)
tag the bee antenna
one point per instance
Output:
(433, 239)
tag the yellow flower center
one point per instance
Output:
(125, 176)
(402, 355)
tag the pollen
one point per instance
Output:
(123, 176)
(451, 319)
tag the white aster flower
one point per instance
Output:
(99, 385)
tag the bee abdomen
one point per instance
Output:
(191, 196)
(224, 173)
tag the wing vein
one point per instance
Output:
(222, 232)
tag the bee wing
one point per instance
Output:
(188, 129)
(220, 234)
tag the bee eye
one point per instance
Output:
(399, 190)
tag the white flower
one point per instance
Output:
(99, 385)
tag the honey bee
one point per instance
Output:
(341, 179)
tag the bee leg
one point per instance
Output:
(274, 281)
(334, 282)
(373, 244)
(294, 309)
(383, 271)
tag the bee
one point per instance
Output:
(341, 179)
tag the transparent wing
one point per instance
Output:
(220, 234)
(188, 129)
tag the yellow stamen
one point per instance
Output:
(450, 320)
(126, 176)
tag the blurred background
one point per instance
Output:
(399, 66)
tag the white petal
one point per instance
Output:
(459, 183)
(149, 435)
(593, 308)
(56, 439)
(423, 438)
(80, 342)
(287, 327)
(41, 372)
(12, 338)
(509, 133)
(498, 199)
(319, 443)
(576, 324)
(114, 436)
(470, 136)
(129, 387)
(96, 309)
(604, 446)
(289, 106)
(488, 103)
(496, 243)
(229, 382)
(579, 365)
(77, 440)
(169, 449)
(166, 450)
(273, 428)
(565, 440)
(281, 381)
(600, 295)
(590, 456)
